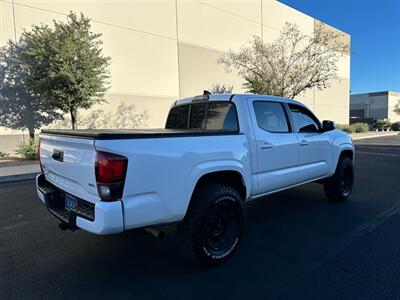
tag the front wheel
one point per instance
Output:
(339, 186)
(212, 228)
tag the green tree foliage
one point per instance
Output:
(290, 65)
(65, 64)
(20, 107)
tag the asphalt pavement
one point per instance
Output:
(297, 245)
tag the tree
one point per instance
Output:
(20, 107)
(221, 89)
(65, 64)
(290, 65)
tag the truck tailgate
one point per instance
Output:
(68, 163)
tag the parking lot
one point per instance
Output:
(297, 245)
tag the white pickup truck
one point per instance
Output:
(216, 153)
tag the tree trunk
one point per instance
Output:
(31, 132)
(72, 111)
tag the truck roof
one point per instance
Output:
(229, 97)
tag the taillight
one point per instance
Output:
(110, 172)
(38, 154)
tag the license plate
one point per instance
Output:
(70, 202)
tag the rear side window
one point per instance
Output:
(271, 116)
(222, 116)
(208, 116)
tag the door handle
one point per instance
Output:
(303, 143)
(266, 146)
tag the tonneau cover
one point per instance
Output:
(108, 134)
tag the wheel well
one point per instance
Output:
(347, 153)
(230, 178)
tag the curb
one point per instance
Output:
(373, 136)
(18, 177)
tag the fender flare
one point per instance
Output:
(342, 147)
(210, 167)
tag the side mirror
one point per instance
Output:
(328, 125)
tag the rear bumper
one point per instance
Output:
(105, 217)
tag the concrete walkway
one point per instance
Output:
(19, 172)
(373, 134)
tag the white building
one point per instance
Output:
(166, 49)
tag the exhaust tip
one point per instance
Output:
(63, 226)
(157, 233)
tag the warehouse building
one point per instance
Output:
(377, 105)
(166, 49)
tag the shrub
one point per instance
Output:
(356, 127)
(28, 150)
(344, 127)
(382, 122)
(359, 127)
(396, 126)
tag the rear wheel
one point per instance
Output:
(340, 185)
(213, 226)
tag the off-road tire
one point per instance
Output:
(339, 186)
(216, 216)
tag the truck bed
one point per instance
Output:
(117, 134)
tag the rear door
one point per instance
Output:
(277, 146)
(315, 145)
(68, 163)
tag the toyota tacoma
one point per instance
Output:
(216, 153)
